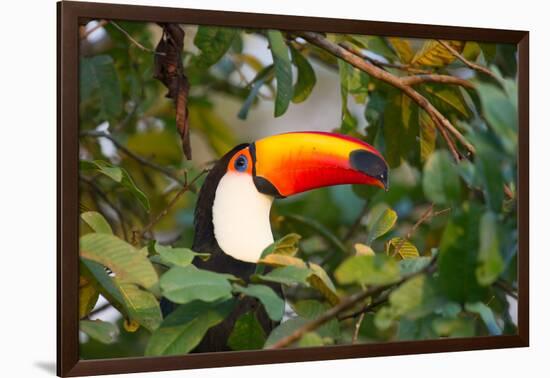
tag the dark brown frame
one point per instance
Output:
(70, 14)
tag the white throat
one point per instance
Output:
(240, 216)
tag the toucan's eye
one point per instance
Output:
(241, 163)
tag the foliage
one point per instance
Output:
(136, 227)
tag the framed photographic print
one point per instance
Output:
(239, 188)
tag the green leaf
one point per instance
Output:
(310, 339)
(403, 247)
(501, 112)
(87, 297)
(117, 174)
(458, 257)
(410, 266)
(213, 41)
(273, 304)
(141, 306)
(401, 129)
(283, 330)
(368, 270)
(186, 284)
(121, 258)
(414, 298)
(486, 315)
(247, 334)
(134, 303)
(261, 78)
(441, 181)
(104, 332)
(97, 222)
(306, 77)
(454, 327)
(311, 309)
(98, 74)
(287, 275)
(178, 256)
(427, 135)
(434, 54)
(283, 71)
(490, 262)
(184, 328)
(287, 245)
(381, 224)
(488, 172)
(447, 99)
(322, 282)
(349, 123)
(101, 166)
(377, 45)
(403, 48)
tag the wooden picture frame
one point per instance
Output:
(73, 14)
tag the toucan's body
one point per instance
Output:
(232, 211)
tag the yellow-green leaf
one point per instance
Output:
(403, 248)
(368, 270)
(322, 282)
(123, 259)
(434, 54)
(104, 332)
(362, 249)
(381, 224)
(97, 222)
(403, 49)
(282, 260)
(283, 71)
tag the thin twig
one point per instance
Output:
(133, 155)
(378, 73)
(344, 305)
(104, 197)
(504, 286)
(357, 327)
(428, 214)
(382, 64)
(159, 216)
(470, 64)
(436, 78)
(381, 299)
(134, 41)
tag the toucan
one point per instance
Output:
(232, 220)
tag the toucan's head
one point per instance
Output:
(241, 187)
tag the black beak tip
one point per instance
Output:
(370, 164)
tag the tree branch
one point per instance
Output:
(138, 235)
(134, 41)
(435, 78)
(381, 64)
(96, 189)
(357, 61)
(472, 65)
(133, 155)
(428, 214)
(344, 305)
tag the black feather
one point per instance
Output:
(216, 338)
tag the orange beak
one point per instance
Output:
(292, 163)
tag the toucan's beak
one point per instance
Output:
(292, 163)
